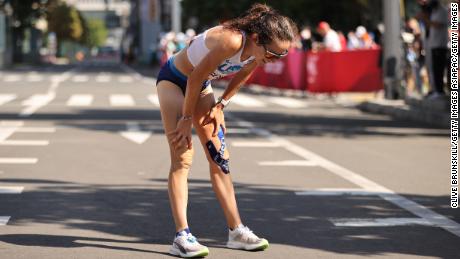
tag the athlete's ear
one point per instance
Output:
(255, 37)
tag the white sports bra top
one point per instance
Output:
(197, 50)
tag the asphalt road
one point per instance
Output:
(84, 164)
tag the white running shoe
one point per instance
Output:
(243, 238)
(187, 246)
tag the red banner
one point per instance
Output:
(286, 73)
(347, 71)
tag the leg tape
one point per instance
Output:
(218, 156)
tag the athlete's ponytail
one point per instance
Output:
(266, 22)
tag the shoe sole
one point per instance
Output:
(237, 245)
(177, 252)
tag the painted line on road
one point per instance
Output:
(287, 102)
(103, 78)
(121, 100)
(288, 163)
(36, 129)
(6, 98)
(34, 78)
(80, 78)
(153, 98)
(247, 101)
(80, 100)
(255, 144)
(4, 220)
(12, 78)
(336, 192)
(134, 133)
(11, 189)
(36, 102)
(417, 209)
(24, 143)
(17, 160)
(125, 79)
(379, 222)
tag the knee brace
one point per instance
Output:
(218, 156)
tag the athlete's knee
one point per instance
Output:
(182, 159)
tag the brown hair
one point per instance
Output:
(266, 22)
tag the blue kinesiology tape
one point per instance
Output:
(218, 156)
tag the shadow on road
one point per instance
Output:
(141, 214)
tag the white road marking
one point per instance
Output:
(102, 78)
(246, 101)
(36, 102)
(288, 163)
(24, 143)
(121, 100)
(11, 189)
(287, 102)
(80, 100)
(379, 222)
(4, 220)
(153, 98)
(135, 134)
(80, 78)
(11, 78)
(8, 128)
(253, 144)
(37, 129)
(5, 98)
(17, 160)
(431, 216)
(337, 192)
(238, 131)
(125, 79)
(34, 78)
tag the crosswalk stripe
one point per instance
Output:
(17, 160)
(4, 220)
(121, 100)
(246, 101)
(288, 163)
(36, 130)
(254, 144)
(34, 78)
(12, 78)
(11, 189)
(35, 102)
(24, 143)
(287, 102)
(379, 222)
(80, 100)
(153, 98)
(125, 79)
(5, 98)
(80, 78)
(337, 192)
(102, 78)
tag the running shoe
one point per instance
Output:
(243, 238)
(187, 246)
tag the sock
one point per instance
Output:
(181, 232)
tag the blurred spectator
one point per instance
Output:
(353, 41)
(415, 53)
(435, 18)
(343, 40)
(366, 41)
(306, 39)
(331, 40)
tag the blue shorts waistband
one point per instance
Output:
(175, 71)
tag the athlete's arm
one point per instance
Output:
(238, 80)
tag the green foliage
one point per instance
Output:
(342, 15)
(66, 22)
(96, 33)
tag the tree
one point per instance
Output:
(96, 33)
(66, 22)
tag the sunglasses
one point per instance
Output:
(273, 55)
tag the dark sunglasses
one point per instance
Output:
(273, 55)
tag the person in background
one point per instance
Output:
(343, 40)
(365, 39)
(306, 39)
(353, 41)
(331, 40)
(437, 22)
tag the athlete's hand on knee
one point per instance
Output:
(183, 132)
(216, 117)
